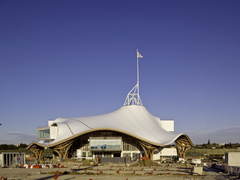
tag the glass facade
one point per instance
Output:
(129, 144)
(105, 144)
(43, 133)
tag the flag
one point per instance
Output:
(139, 55)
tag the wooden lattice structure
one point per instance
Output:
(183, 143)
(62, 149)
(148, 149)
(37, 150)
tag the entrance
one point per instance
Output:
(117, 155)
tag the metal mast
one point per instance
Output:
(133, 97)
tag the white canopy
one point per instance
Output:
(133, 120)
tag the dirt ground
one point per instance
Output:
(111, 171)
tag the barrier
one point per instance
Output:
(233, 170)
(39, 166)
(36, 166)
(114, 160)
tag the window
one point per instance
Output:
(83, 154)
(105, 144)
(43, 133)
(130, 145)
(90, 154)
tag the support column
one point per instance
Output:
(38, 153)
(148, 149)
(183, 143)
(181, 150)
(7, 155)
(62, 149)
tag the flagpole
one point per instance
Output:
(137, 77)
(133, 97)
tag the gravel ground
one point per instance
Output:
(110, 171)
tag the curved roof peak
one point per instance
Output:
(133, 120)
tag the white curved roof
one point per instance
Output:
(133, 119)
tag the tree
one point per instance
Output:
(3, 146)
(11, 146)
(8, 147)
(21, 145)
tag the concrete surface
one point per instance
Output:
(198, 170)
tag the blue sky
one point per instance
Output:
(78, 58)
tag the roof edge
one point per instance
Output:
(102, 129)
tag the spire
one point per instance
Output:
(133, 97)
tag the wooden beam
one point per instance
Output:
(62, 149)
(38, 153)
(183, 143)
(148, 149)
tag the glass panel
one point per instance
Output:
(90, 154)
(105, 144)
(83, 154)
(43, 133)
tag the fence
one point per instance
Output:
(232, 170)
(114, 159)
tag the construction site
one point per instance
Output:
(92, 170)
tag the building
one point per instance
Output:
(130, 131)
(165, 154)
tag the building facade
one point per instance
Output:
(131, 131)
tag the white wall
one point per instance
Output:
(168, 125)
(232, 158)
(53, 132)
(50, 122)
(1, 160)
(165, 152)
